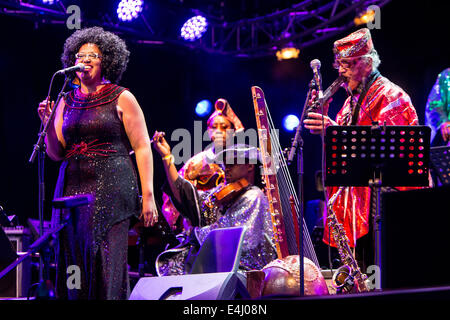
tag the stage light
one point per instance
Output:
(194, 28)
(288, 52)
(290, 122)
(50, 2)
(128, 10)
(203, 108)
(365, 17)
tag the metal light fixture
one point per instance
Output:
(365, 17)
(288, 52)
(128, 10)
(194, 28)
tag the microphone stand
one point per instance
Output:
(297, 143)
(39, 150)
(42, 245)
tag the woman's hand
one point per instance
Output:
(149, 211)
(160, 144)
(44, 110)
(314, 122)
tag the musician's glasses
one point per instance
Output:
(90, 55)
(346, 64)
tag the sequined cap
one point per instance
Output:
(355, 45)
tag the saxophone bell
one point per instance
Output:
(343, 279)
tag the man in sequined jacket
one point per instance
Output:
(372, 97)
(437, 110)
(246, 206)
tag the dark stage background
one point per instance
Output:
(169, 81)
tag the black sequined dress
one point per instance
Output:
(98, 162)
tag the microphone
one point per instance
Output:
(315, 66)
(78, 67)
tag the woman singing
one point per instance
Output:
(94, 130)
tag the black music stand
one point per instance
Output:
(377, 156)
(440, 164)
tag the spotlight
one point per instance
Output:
(290, 122)
(129, 9)
(194, 28)
(203, 108)
(365, 17)
(288, 52)
(50, 2)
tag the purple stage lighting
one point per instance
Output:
(129, 9)
(48, 1)
(194, 28)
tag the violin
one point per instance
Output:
(227, 193)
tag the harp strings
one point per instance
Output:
(286, 190)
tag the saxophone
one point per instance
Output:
(328, 93)
(348, 278)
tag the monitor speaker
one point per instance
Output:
(13, 241)
(206, 286)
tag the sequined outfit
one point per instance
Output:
(437, 110)
(384, 102)
(250, 209)
(97, 161)
(202, 173)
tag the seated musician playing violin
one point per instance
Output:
(222, 126)
(237, 202)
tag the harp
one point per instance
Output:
(283, 201)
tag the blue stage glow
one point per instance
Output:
(194, 28)
(129, 9)
(290, 122)
(203, 108)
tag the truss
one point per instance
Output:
(301, 25)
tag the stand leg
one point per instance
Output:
(41, 162)
(46, 290)
(301, 214)
(141, 248)
(377, 225)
